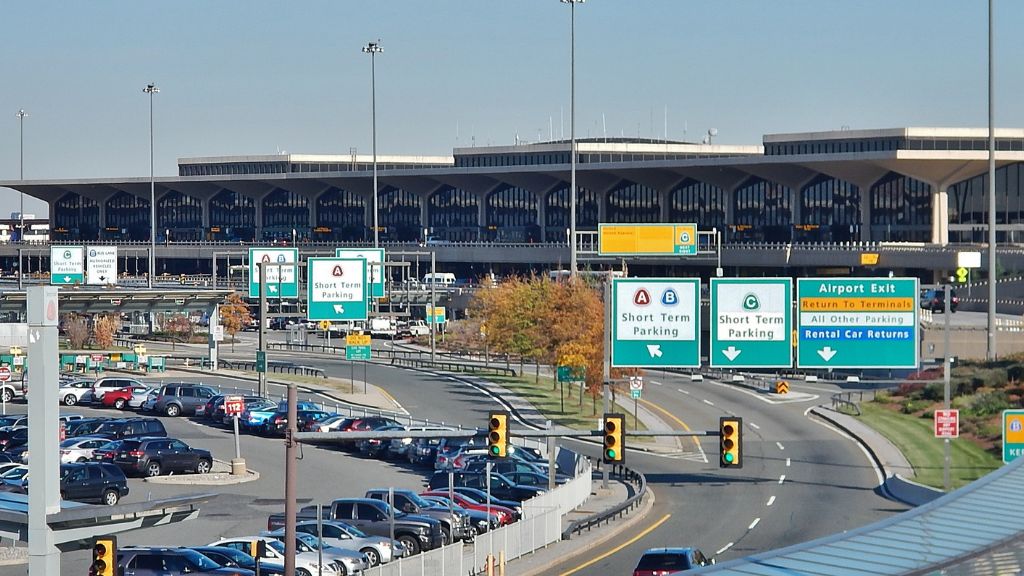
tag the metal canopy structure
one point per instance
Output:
(123, 300)
(978, 529)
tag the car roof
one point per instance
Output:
(668, 551)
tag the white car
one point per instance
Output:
(80, 449)
(305, 562)
(74, 392)
(378, 550)
(140, 397)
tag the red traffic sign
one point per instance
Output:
(5, 373)
(233, 405)
(97, 357)
(947, 423)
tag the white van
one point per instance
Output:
(439, 279)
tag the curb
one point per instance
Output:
(633, 519)
(211, 479)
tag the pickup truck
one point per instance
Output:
(416, 533)
(456, 526)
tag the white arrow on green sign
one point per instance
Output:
(656, 322)
(857, 323)
(336, 289)
(282, 281)
(374, 262)
(751, 322)
(67, 265)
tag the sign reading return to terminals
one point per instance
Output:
(646, 239)
(857, 323)
(101, 265)
(67, 265)
(656, 322)
(282, 281)
(336, 289)
(751, 322)
(374, 263)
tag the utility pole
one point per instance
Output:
(262, 376)
(290, 479)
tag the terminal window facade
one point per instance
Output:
(181, 214)
(632, 202)
(901, 209)
(512, 215)
(968, 207)
(399, 215)
(452, 214)
(284, 211)
(556, 212)
(232, 217)
(829, 211)
(699, 202)
(763, 212)
(127, 217)
(76, 217)
(340, 216)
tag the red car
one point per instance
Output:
(119, 398)
(503, 514)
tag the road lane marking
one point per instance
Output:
(683, 391)
(619, 547)
(779, 444)
(787, 462)
(655, 383)
(724, 548)
(754, 523)
(755, 426)
(709, 402)
(770, 501)
(782, 478)
(678, 421)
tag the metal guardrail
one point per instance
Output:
(842, 401)
(280, 367)
(452, 366)
(617, 511)
(406, 358)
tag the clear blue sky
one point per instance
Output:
(258, 77)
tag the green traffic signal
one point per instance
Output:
(495, 450)
(728, 457)
(611, 454)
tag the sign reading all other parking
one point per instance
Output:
(101, 265)
(67, 265)
(656, 322)
(282, 281)
(336, 289)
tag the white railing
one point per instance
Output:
(566, 497)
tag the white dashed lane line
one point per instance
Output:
(782, 479)
(709, 402)
(770, 501)
(724, 548)
(755, 426)
(754, 523)
(655, 383)
(683, 391)
(779, 444)
(787, 462)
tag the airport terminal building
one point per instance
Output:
(902, 185)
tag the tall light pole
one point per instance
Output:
(373, 48)
(991, 349)
(21, 175)
(573, 269)
(151, 89)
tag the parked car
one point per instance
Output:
(501, 486)
(181, 398)
(106, 384)
(255, 419)
(71, 393)
(13, 437)
(377, 447)
(227, 557)
(138, 561)
(122, 428)
(155, 456)
(935, 300)
(363, 424)
(276, 424)
(80, 449)
(503, 514)
(306, 563)
(378, 549)
(92, 481)
(106, 452)
(83, 427)
(248, 403)
(450, 449)
(480, 521)
(347, 561)
(514, 469)
(423, 451)
(456, 524)
(664, 561)
(399, 447)
(119, 398)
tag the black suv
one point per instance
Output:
(935, 300)
(501, 486)
(92, 481)
(167, 561)
(277, 423)
(121, 428)
(154, 456)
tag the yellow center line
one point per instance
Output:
(672, 416)
(619, 547)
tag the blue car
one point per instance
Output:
(257, 421)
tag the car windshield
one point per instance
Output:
(199, 561)
(663, 561)
(108, 427)
(353, 531)
(16, 473)
(277, 545)
(9, 420)
(418, 501)
(113, 445)
(238, 557)
(308, 539)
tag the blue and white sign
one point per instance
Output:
(67, 265)
(375, 266)
(101, 265)
(282, 281)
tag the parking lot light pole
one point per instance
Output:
(21, 176)
(151, 89)
(572, 134)
(373, 48)
(290, 479)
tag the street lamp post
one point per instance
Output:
(573, 267)
(21, 176)
(151, 89)
(991, 352)
(373, 48)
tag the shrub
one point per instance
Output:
(934, 391)
(910, 389)
(1015, 372)
(989, 403)
(882, 397)
(911, 406)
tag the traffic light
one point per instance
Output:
(730, 430)
(614, 438)
(497, 435)
(104, 556)
(258, 549)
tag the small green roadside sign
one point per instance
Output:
(357, 352)
(261, 361)
(1013, 435)
(751, 323)
(656, 322)
(572, 373)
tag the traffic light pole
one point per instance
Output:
(607, 372)
(945, 383)
(262, 376)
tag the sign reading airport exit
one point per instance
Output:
(656, 322)
(336, 289)
(751, 323)
(857, 323)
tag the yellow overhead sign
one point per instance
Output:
(647, 239)
(357, 340)
(869, 259)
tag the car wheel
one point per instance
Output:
(412, 545)
(7, 395)
(81, 459)
(446, 537)
(203, 467)
(119, 403)
(341, 569)
(372, 555)
(153, 469)
(172, 410)
(302, 572)
(110, 497)
(70, 400)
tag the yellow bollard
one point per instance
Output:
(489, 565)
(501, 563)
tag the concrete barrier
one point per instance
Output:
(909, 491)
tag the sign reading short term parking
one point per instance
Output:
(67, 265)
(374, 263)
(336, 288)
(282, 281)
(751, 322)
(656, 322)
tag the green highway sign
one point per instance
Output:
(857, 323)
(656, 322)
(374, 262)
(1013, 435)
(751, 323)
(572, 373)
(436, 314)
(357, 352)
(261, 361)
(336, 289)
(282, 281)
(67, 265)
